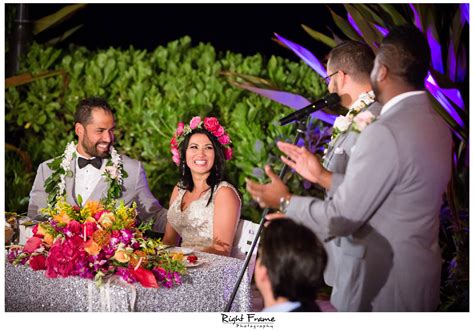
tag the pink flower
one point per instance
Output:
(32, 245)
(174, 151)
(173, 142)
(180, 129)
(113, 172)
(38, 262)
(75, 227)
(362, 120)
(219, 131)
(194, 122)
(228, 153)
(211, 124)
(64, 256)
(176, 159)
(224, 140)
(90, 228)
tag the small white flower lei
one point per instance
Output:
(114, 173)
(344, 123)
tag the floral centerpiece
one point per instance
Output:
(97, 242)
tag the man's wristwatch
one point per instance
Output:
(284, 202)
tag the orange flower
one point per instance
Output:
(101, 237)
(135, 259)
(90, 219)
(93, 206)
(92, 247)
(62, 218)
(107, 220)
(122, 256)
(48, 239)
(41, 230)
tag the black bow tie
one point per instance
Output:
(95, 162)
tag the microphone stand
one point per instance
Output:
(300, 132)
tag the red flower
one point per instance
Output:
(219, 131)
(76, 208)
(75, 227)
(32, 244)
(145, 277)
(90, 228)
(173, 142)
(180, 129)
(38, 262)
(211, 124)
(192, 259)
(64, 257)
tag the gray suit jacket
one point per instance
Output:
(135, 188)
(387, 207)
(336, 160)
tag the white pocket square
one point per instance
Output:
(339, 150)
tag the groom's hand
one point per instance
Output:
(268, 195)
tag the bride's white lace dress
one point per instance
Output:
(195, 223)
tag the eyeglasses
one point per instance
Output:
(328, 78)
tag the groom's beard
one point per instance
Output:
(92, 150)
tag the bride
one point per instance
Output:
(204, 209)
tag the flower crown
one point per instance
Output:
(210, 124)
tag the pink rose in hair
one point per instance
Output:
(176, 159)
(194, 122)
(180, 129)
(228, 153)
(219, 131)
(175, 151)
(211, 124)
(224, 140)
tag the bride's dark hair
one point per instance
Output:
(217, 171)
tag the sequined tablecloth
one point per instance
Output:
(205, 288)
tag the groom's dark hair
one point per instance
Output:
(84, 109)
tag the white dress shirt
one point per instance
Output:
(86, 178)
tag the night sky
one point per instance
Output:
(240, 28)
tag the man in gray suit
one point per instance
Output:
(349, 66)
(94, 170)
(387, 204)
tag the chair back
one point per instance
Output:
(244, 236)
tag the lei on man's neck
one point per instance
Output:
(351, 120)
(55, 185)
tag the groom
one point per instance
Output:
(98, 172)
(387, 204)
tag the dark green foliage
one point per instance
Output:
(151, 92)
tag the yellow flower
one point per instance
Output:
(48, 239)
(62, 218)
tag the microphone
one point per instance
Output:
(328, 101)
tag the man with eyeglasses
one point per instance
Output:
(386, 206)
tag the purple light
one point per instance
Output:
(353, 23)
(416, 17)
(305, 55)
(451, 61)
(464, 12)
(435, 47)
(382, 30)
(291, 100)
(453, 94)
(435, 91)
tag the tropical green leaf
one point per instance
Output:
(397, 18)
(345, 26)
(28, 78)
(56, 18)
(372, 36)
(320, 36)
(62, 37)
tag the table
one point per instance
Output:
(205, 288)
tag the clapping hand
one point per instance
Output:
(302, 161)
(268, 195)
